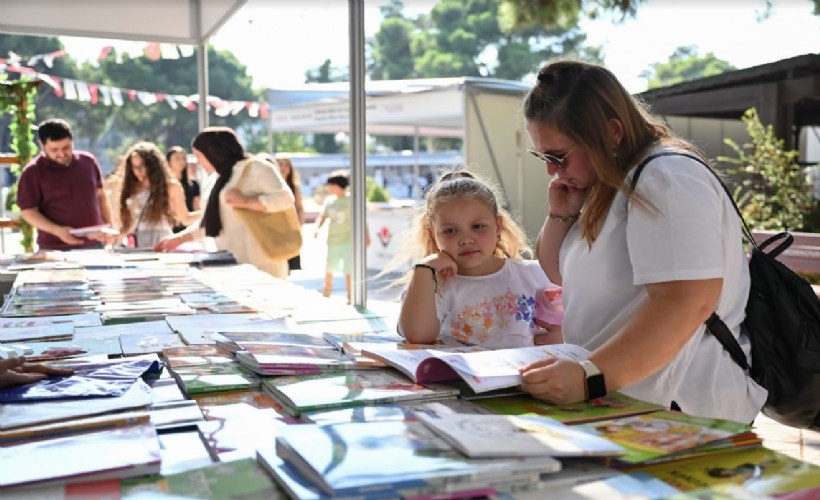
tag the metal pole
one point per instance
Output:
(357, 150)
(416, 168)
(201, 65)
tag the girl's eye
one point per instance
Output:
(449, 231)
(479, 226)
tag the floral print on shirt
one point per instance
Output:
(476, 322)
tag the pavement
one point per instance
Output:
(797, 443)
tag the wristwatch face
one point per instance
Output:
(596, 387)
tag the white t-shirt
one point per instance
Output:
(693, 235)
(495, 311)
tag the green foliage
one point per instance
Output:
(684, 65)
(523, 14)
(17, 98)
(775, 194)
(375, 192)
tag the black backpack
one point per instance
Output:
(783, 324)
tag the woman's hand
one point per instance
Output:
(235, 198)
(556, 381)
(565, 199)
(169, 243)
(444, 265)
(15, 371)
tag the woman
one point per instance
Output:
(151, 199)
(292, 180)
(178, 161)
(240, 182)
(641, 271)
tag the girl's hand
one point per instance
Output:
(444, 265)
(565, 199)
(235, 198)
(556, 381)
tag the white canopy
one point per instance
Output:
(188, 22)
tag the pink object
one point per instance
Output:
(548, 306)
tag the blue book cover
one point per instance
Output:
(339, 457)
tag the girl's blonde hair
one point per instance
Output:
(578, 99)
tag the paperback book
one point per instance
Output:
(339, 459)
(199, 379)
(272, 359)
(613, 405)
(302, 393)
(481, 436)
(484, 370)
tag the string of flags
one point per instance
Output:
(95, 93)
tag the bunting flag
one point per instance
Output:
(95, 93)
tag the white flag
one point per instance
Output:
(147, 98)
(106, 94)
(70, 89)
(83, 92)
(116, 96)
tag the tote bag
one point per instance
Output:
(278, 234)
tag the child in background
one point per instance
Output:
(340, 232)
(472, 284)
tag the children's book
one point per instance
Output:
(252, 397)
(142, 343)
(197, 354)
(301, 393)
(199, 328)
(51, 331)
(339, 340)
(613, 405)
(408, 410)
(85, 319)
(175, 414)
(138, 396)
(198, 379)
(339, 458)
(480, 436)
(233, 341)
(113, 453)
(654, 435)
(271, 359)
(483, 369)
(238, 436)
(757, 472)
(73, 426)
(236, 479)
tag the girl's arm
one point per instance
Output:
(176, 198)
(647, 343)
(418, 319)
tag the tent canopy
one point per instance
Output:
(426, 107)
(188, 22)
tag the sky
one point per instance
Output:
(278, 41)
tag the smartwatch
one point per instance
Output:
(596, 385)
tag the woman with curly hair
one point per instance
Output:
(151, 198)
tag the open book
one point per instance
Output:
(84, 232)
(483, 369)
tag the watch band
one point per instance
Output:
(596, 385)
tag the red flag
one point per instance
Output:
(153, 51)
(104, 52)
(92, 88)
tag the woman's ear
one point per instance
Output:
(616, 128)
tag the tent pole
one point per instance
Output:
(357, 150)
(201, 65)
(416, 169)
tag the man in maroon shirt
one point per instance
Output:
(63, 189)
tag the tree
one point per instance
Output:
(523, 14)
(684, 65)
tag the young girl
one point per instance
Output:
(151, 198)
(472, 284)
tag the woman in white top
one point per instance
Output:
(240, 182)
(151, 199)
(641, 271)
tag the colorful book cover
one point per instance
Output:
(198, 328)
(233, 341)
(238, 479)
(197, 354)
(262, 358)
(481, 436)
(355, 388)
(613, 405)
(121, 452)
(340, 457)
(198, 379)
(757, 472)
(238, 436)
(654, 435)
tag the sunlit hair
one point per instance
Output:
(159, 177)
(579, 99)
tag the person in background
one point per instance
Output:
(17, 371)
(62, 189)
(261, 189)
(292, 180)
(471, 283)
(151, 198)
(641, 270)
(337, 210)
(177, 159)
(113, 188)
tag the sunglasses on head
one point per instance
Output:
(557, 161)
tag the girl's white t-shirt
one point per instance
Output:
(496, 310)
(692, 233)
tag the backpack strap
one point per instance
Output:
(715, 324)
